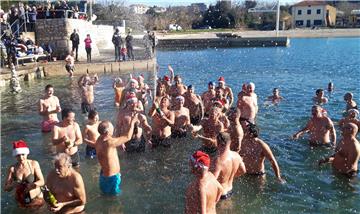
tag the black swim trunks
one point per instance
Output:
(75, 159)
(227, 195)
(90, 152)
(157, 141)
(178, 134)
(195, 120)
(69, 68)
(318, 144)
(86, 108)
(256, 174)
(135, 145)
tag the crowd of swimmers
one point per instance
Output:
(231, 145)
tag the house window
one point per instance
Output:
(308, 12)
(317, 22)
(299, 23)
(318, 11)
(299, 12)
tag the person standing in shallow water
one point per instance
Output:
(49, 106)
(204, 191)
(67, 136)
(106, 151)
(91, 133)
(346, 158)
(67, 186)
(26, 177)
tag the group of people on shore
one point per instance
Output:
(231, 144)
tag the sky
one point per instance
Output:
(165, 3)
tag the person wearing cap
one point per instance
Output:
(350, 102)
(144, 90)
(168, 80)
(182, 118)
(254, 151)
(25, 177)
(67, 186)
(91, 133)
(162, 119)
(250, 89)
(228, 164)
(211, 126)
(86, 86)
(142, 130)
(226, 90)
(204, 192)
(178, 88)
(351, 117)
(106, 152)
(207, 97)
(49, 106)
(347, 155)
(221, 99)
(275, 98)
(319, 97)
(119, 87)
(132, 86)
(235, 130)
(67, 136)
(194, 103)
(320, 128)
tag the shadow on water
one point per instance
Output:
(155, 181)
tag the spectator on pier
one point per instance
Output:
(74, 37)
(88, 47)
(116, 40)
(129, 46)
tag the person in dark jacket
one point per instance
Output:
(129, 46)
(74, 37)
(116, 40)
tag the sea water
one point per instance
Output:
(155, 181)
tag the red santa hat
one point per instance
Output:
(131, 98)
(20, 148)
(200, 160)
(220, 102)
(166, 78)
(221, 79)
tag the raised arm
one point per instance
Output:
(172, 76)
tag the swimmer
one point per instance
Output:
(228, 164)
(67, 136)
(205, 191)
(330, 87)
(49, 106)
(319, 98)
(142, 130)
(195, 105)
(106, 144)
(168, 80)
(70, 64)
(351, 117)
(250, 90)
(160, 92)
(346, 158)
(86, 85)
(222, 118)
(226, 91)
(162, 119)
(119, 87)
(254, 151)
(275, 98)
(248, 108)
(208, 96)
(26, 177)
(182, 118)
(211, 126)
(320, 127)
(350, 103)
(144, 90)
(220, 96)
(235, 130)
(177, 89)
(91, 133)
(67, 186)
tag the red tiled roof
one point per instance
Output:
(307, 3)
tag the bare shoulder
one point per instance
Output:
(34, 163)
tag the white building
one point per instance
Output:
(139, 8)
(313, 13)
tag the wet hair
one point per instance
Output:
(48, 86)
(276, 89)
(253, 129)
(223, 138)
(190, 87)
(104, 127)
(63, 156)
(319, 91)
(211, 83)
(92, 114)
(65, 113)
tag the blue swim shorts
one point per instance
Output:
(110, 185)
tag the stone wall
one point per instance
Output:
(57, 32)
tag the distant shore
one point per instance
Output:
(297, 33)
